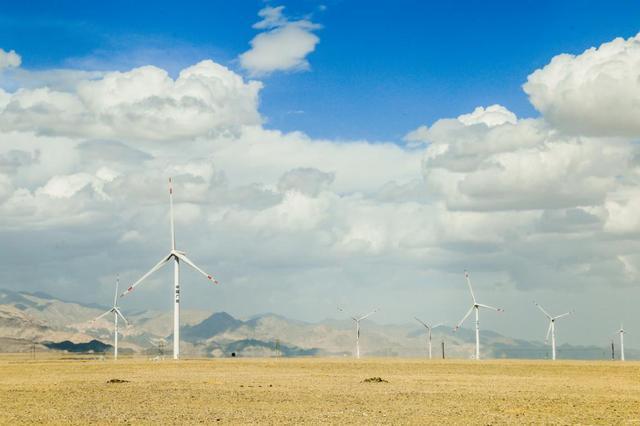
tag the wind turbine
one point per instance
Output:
(116, 313)
(177, 256)
(475, 307)
(357, 321)
(429, 328)
(621, 332)
(552, 329)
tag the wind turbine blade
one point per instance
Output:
(368, 315)
(186, 260)
(117, 311)
(464, 318)
(542, 309)
(564, 315)
(546, 339)
(102, 315)
(473, 296)
(151, 271)
(416, 318)
(173, 232)
(491, 307)
(115, 296)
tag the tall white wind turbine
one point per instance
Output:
(357, 321)
(621, 332)
(552, 328)
(429, 328)
(116, 313)
(475, 307)
(177, 256)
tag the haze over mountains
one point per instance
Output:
(41, 321)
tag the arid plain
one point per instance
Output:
(316, 390)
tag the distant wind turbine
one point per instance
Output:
(429, 328)
(116, 313)
(552, 328)
(159, 344)
(475, 307)
(357, 321)
(176, 256)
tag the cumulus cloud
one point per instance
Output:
(489, 160)
(490, 116)
(9, 59)
(143, 103)
(594, 93)
(283, 46)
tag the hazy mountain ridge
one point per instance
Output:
(33, 317)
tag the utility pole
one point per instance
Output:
(443, 349)
(613, 352)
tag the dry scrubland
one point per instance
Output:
(309, 391)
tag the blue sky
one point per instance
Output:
(377, 72)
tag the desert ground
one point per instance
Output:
(316, 390)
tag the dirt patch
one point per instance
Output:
(375, 380)
(117, 381)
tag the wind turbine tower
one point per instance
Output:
(475, 307)
(552, 328)
(357, 321)
(116, 313)
(176, 256)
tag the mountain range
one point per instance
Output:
(38, 321)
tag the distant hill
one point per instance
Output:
(217, 323)
(26, 318)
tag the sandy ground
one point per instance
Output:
(312, 391)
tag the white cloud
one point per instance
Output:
(417, 137)
(272, 17)
(491, 116)
(283, 47)
(517, 164)
(595, 93)
(9, 59)
(67, 186)
(144, 104)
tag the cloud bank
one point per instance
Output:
(533, 207)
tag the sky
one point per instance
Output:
(328, 153)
